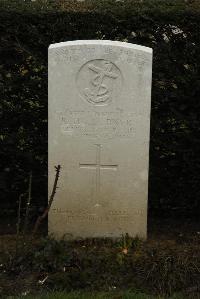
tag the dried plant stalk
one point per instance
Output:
(28, 203)
(46, 211)
(18, 223)
(19, 214)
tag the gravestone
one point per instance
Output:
(99, 120)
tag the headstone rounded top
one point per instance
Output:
(101, 42)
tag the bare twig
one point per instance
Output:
(19, 214)
(18, 223)
(28, 203)
(46, 211)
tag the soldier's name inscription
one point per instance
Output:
(108, 125)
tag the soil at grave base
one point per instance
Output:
(169, 241)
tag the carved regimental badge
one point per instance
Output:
(99, 82)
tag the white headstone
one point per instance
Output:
(99, 119)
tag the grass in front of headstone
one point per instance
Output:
(107, 295)
(99, 265)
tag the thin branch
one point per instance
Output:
(46, 211)
(28, 203)
(19, 214)
(18, 223)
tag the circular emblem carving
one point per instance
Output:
(99, 82)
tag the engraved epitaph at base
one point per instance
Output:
(99, 119)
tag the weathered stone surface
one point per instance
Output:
(99, 119)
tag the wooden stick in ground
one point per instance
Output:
(46, 211)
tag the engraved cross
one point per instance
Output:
(98, 166)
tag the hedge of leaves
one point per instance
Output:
(171, 28)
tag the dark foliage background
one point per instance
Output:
(171, 28)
